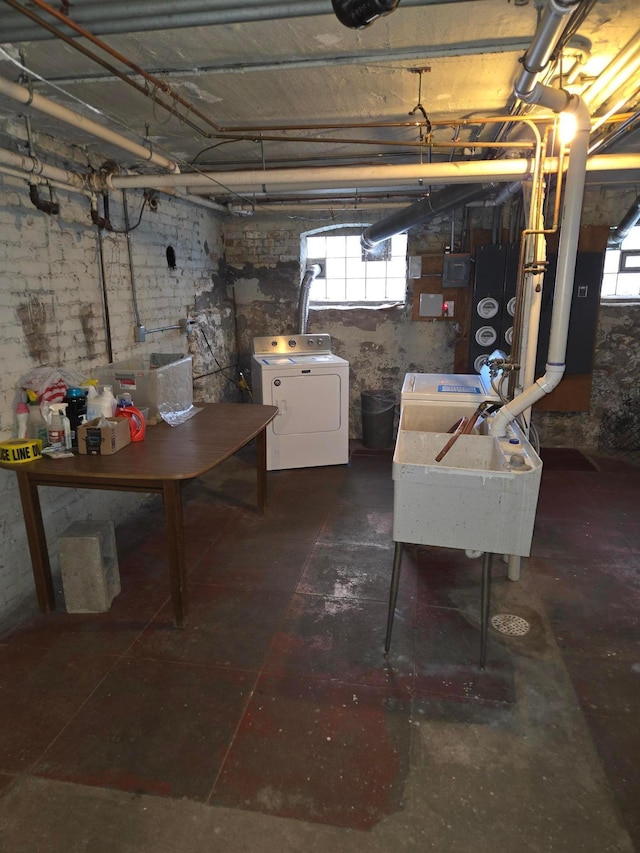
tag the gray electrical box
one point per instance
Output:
(456, 270)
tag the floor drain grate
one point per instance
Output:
(507, 623)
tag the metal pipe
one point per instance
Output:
(24, 96)
(32, 166)
(327, 178)
(421, 212)
(141, 16)
(615, 74)
(127, 228)
(629, 220)
(567, 252)
(541, 49)
(105, 296)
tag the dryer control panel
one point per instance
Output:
(290, 344)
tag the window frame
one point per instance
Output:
(625, 255)
(351, 230)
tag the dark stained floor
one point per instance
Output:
(276, 702)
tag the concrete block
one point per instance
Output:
(89, 565)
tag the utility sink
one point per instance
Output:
(482, 496)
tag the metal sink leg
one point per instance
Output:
(393, 594)
(485, 606)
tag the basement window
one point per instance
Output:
(350, 276)
(621, 278)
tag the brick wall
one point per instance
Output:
(52, 314)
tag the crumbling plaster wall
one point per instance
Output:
(616, 365)
(263, 258)
(52, 315)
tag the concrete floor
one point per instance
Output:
(274, 722)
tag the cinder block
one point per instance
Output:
(89, 565)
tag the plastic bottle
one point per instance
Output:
(92, 395)
(105, 402)
(37, 426)
(22, 418)
(56, 426)
(76, 402)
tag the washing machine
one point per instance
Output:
(446, 396)
(310, 386)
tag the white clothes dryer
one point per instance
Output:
(310, 386)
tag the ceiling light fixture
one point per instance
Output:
(358, 14)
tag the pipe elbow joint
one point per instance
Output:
(551, 379)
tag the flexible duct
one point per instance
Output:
(629, 220)
(421, 212)
(311, 273)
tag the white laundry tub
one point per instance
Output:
(482, 496)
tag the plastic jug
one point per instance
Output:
(103, 404)
(137, 424)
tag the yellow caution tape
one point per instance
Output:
(18, 450)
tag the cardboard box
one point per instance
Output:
(94, 440)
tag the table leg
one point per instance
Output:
(37, 542)
(172, 494)
(261, 464)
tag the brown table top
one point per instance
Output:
(167, 453)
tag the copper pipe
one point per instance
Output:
(459, 431)
(112, 69)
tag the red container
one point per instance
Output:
(136, 419)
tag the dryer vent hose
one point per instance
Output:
(303, 301)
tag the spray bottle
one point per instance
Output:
(22, 417)
(59, 431)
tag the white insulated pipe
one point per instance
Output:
(567, 253)
(32, 166)
(352, 177)
(615, 75)
(22, 95)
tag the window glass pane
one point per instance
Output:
(630, 261)
(611, 260)
(353, 249)
(376, 289)
(396, 289)
(316, 247)
(609, 281)
(336, 247)
(632, 240)
(347, 278)
(399, 245)
(318, 289)
(355, 268)
(336, 290)
(357, 292)
(376, 270)
(335, 268)
(397, 267)
(628, 284)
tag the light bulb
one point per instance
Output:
(568, 127)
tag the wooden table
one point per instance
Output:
(161, 463)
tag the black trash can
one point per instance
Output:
(378, 415)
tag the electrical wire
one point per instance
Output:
(242, 384)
